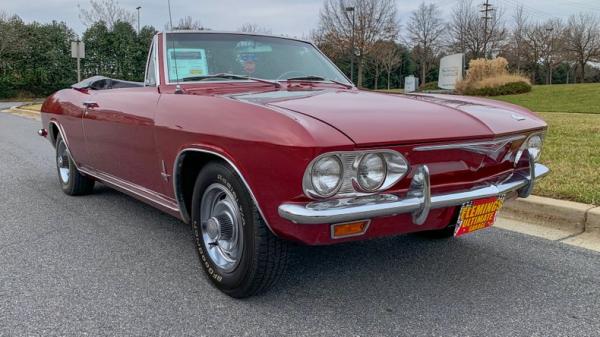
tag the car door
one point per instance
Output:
(119, 132)
(119, 135)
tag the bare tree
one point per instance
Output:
(186, 23)
(518, 36)
(545, 43)
(253, 28)
(370, 21)
(470, 34)
(391, 58)
(425, 28)
(108, 11)
(583, 40)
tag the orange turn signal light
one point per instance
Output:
(349, 229)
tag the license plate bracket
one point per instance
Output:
(478, 214)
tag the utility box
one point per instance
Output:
(411, 84)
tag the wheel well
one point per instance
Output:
(188, 167)
(53, 133)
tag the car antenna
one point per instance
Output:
(178, 89)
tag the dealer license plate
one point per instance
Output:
(477, 214)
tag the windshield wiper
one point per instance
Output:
(231, 77)
(318, 78)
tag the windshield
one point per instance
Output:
(198, 56)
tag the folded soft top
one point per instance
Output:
(104, 83)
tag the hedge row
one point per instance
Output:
(505, 89)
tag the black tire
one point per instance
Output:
(445, 233)
(73, 182)
(263, 256)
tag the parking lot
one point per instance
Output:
(107, 264)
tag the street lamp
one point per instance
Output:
(351, 9)
(550, 30)
(138, 10)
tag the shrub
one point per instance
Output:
(511, 88)
(491, 78)
(430, 86)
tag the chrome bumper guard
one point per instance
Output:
(418, 200)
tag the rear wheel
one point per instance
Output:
(238, 252)
(71, 180)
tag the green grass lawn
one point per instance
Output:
(572, 151)
(559, 98)
(572, 146)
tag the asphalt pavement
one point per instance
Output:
(106, 264)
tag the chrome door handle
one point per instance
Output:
(90, 104)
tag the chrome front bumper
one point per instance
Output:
(418, 200)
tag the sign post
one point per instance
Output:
(451, 71)
(78, 52)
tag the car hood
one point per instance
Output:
(369, 118)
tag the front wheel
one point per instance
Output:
(71, 180)
(445, 233)
(238, 252)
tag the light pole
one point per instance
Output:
(351, 9)
(138, 10)
(550, 30)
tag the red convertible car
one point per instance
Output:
(257, 141)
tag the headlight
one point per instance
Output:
(534, 145)
(347, 174)
(372, 170)
(326, 176)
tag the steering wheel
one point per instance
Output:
(283, 76)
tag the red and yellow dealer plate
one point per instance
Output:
(477, 214)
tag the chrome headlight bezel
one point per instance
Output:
(363, 172)
(309, 179)
(527, 146)
(396, 167)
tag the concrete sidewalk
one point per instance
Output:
(558, 220)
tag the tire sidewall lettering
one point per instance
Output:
(206, 262)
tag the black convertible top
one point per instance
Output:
(104, 83)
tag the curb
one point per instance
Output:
(18, 109)
(23, 113)
(553, 213)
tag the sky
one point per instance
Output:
(294, 18)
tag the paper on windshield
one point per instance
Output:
(186, 62)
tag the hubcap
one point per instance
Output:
(62, 162)
(221, 226)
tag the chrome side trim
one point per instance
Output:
(344, 210)
(131, 188)
(127, 187)
(185, 214)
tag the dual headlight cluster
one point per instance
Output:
(353, 172)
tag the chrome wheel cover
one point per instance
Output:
(221, 227)
(62, 162)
